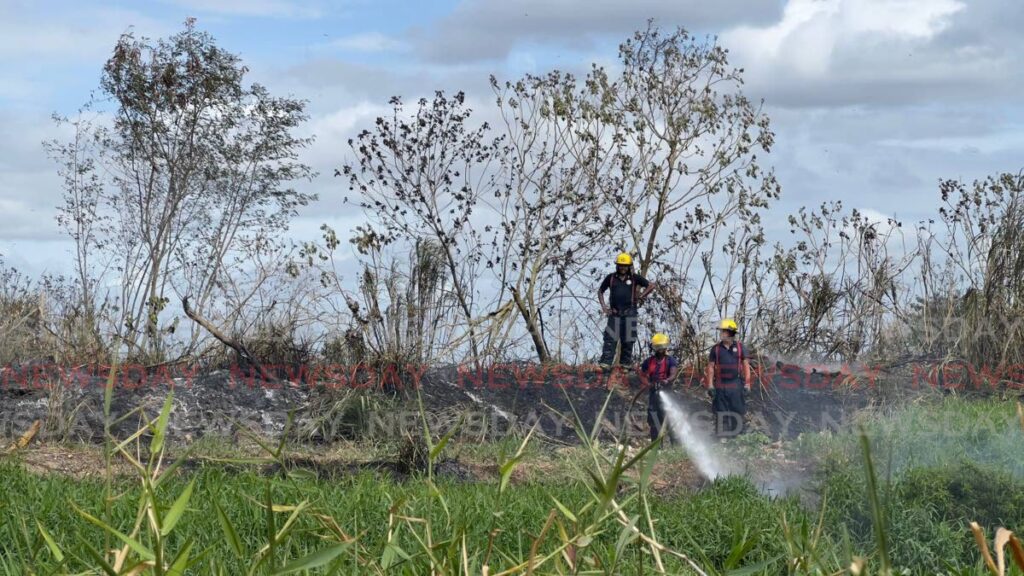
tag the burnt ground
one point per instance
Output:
(234, 408)
(488, 403)
(670, 474)
(71, 405)
(783, 406)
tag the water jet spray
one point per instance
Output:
(694, 441)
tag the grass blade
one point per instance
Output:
(439, 447)
(50, 543)
(160, 431)
(565, 511)
(229, 531)
(509, 465)
(979, 539)
(876, 505)
(177, 509)
(314, 560)
(271, 527)
(135, 545)
(1017, 551)
(284, 435)
(180, 562)
(97, 558)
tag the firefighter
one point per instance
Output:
(728, 378)
(658, 372)
(627, 293)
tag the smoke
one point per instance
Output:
(932, 435)
(813, 363)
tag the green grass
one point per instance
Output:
(933, 431)
(560, 512)
(714, 521)
(941, 463)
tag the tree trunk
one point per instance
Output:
(238, 347)
(532, 326)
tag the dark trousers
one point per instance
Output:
(729, 407)
(621, 329)
(655, 413)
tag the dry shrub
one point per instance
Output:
(413, 455)
(340, 414)
(280, 348)
(973, 273)
(44, 320)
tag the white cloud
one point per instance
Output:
(369, 42)
(810, 31)
(261, 8)
(874, 216)
(486, 29)
(841, 52)
(333, 130)
(68, 35)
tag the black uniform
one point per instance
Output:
(622, 321)
(728, 403)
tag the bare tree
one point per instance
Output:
(420, 176)
(549, 213)
(683, 151)
(80, 215)
(670, 144)
(195, 167)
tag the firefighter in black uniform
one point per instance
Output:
(728, 379)
(626, 298)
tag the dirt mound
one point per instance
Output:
(71, 405)
(559, 399)
(489, 403)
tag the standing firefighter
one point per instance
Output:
(728, 377)
(625, 299)
(658, 372)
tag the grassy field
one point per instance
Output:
(524, 505)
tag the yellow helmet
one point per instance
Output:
(659, 340)
(624, 259)
(728, 324)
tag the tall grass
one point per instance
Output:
(160, 522)
(598, 515)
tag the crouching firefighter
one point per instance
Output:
(658, 372)
(625, 300)
(728, 379)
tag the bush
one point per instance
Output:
(45, 320)
(966, 492)
(928, 510)
(279, 347)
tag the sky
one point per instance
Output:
(873, 101)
